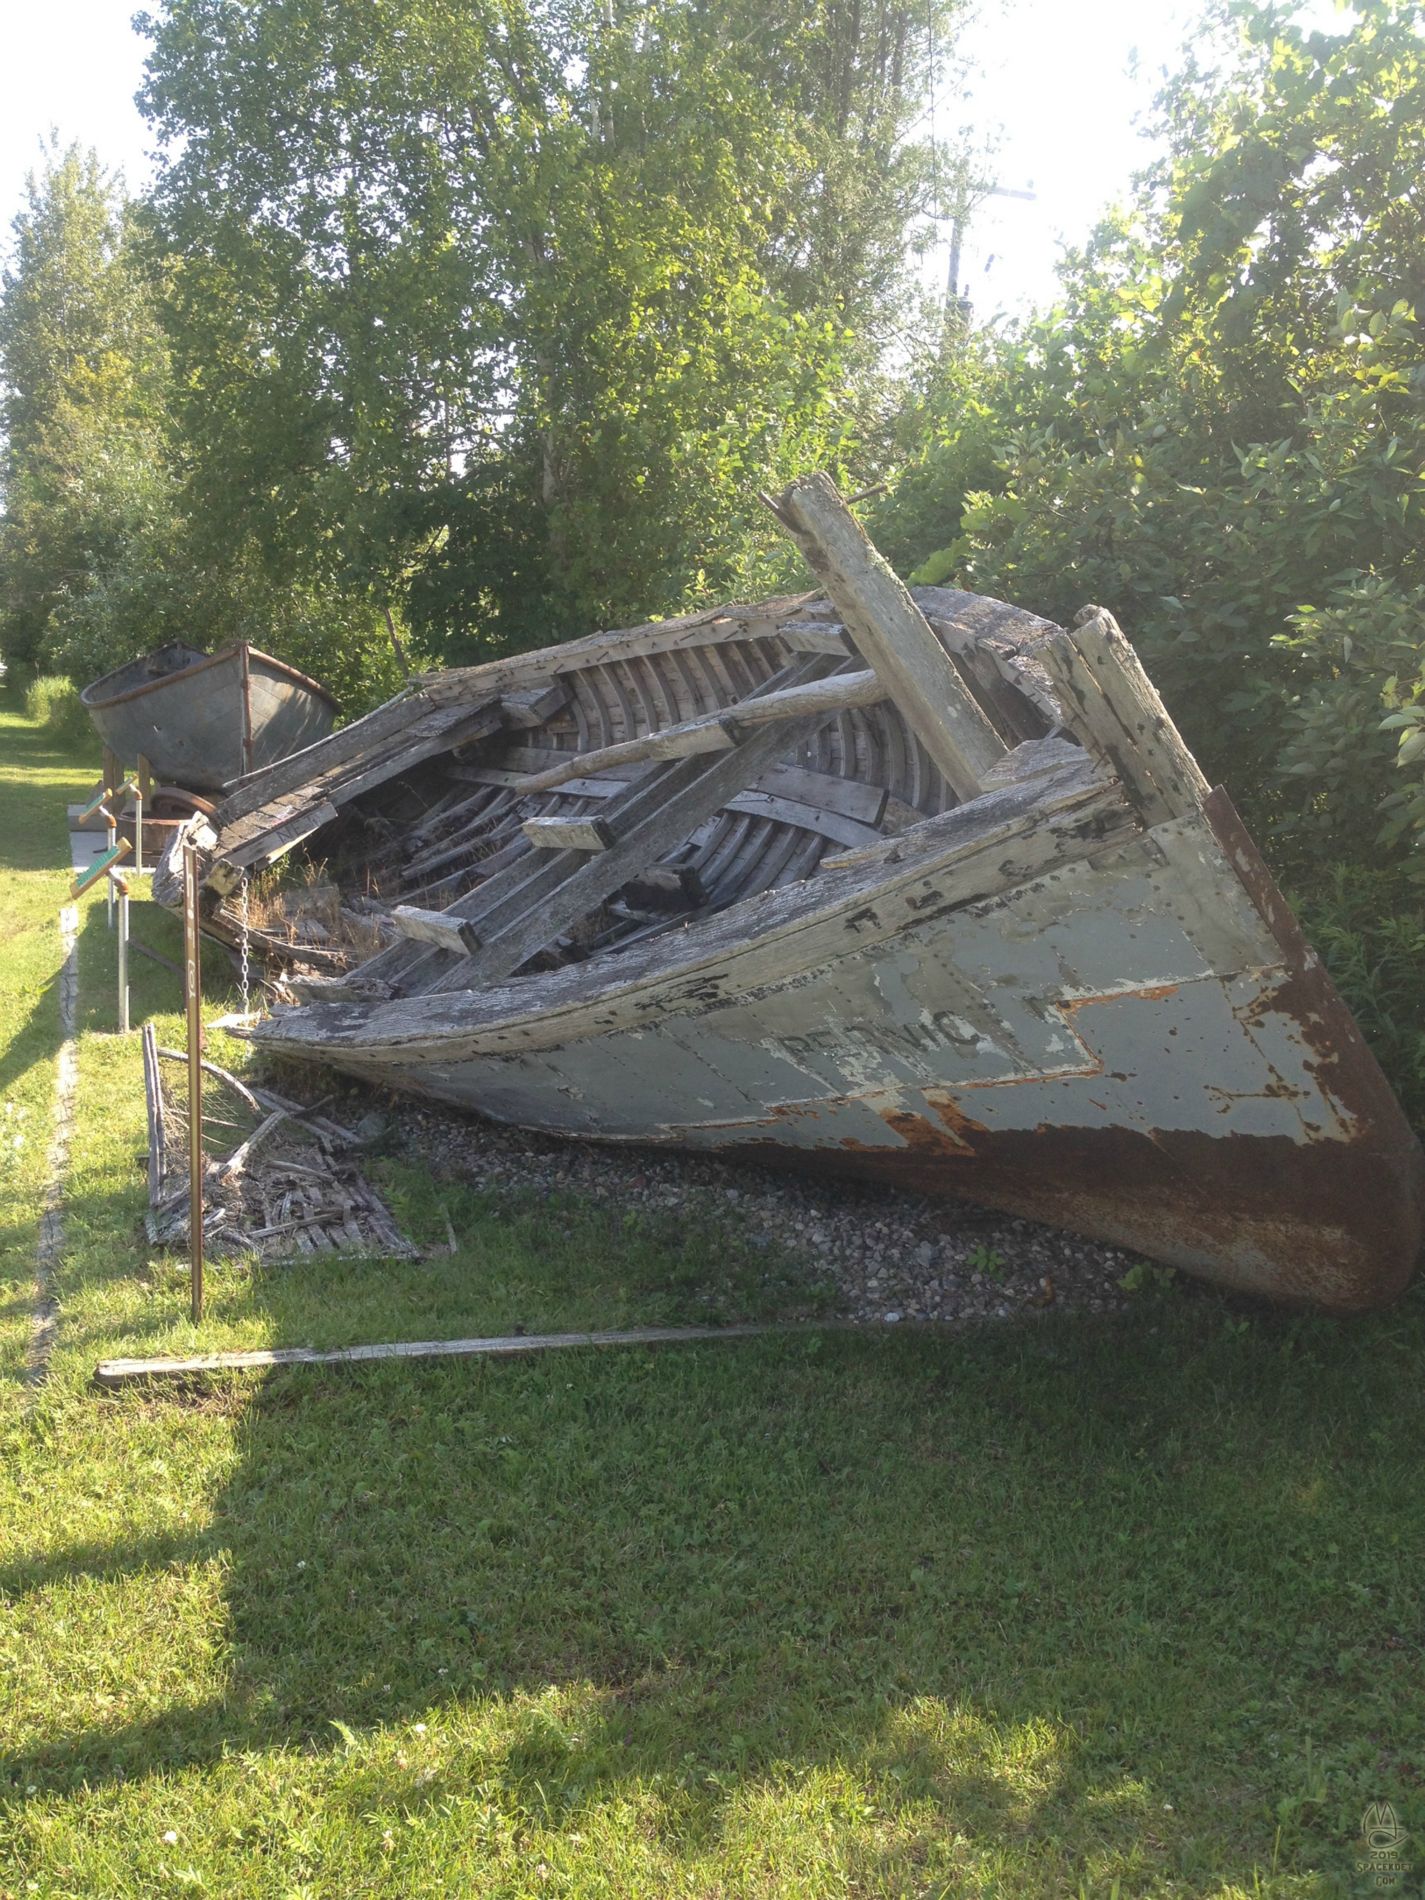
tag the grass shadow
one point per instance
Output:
(1082, 1589)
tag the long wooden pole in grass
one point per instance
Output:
(117, 1372)
(193, 986)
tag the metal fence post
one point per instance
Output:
(193, 985)
(123, 891)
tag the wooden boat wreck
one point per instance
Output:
(923, 888)
(202, 719)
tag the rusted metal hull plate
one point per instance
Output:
(1138, 1047)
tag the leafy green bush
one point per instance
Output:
(53, 702)
(1219, 434)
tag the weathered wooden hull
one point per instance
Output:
(701, 884)
(210, 717)
(1136, 1046)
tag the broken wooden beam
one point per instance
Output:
(247, 794)
(891, 633)
(656, 814)
(646, 811)
(423, 733)
(716, 732)
(437, 927)
(1109, 702)
(533, 706)
(237, 1160)
(713, 626)
(569, 834)
(272, 843)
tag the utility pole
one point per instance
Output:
(956, 304)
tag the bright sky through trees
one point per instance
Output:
(1059, 91)
(1063, 97)
(71, 65)
(1056, 92)
(1055, 88)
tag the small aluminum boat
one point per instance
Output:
(202, 719)
(923, 888)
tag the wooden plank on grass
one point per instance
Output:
(118, 1372)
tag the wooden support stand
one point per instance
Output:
(123, 896)
(116, 891)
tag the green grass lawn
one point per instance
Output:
(1125, 1607)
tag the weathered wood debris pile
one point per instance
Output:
(290, 1186)
(921, 887)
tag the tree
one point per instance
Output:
(84, 469)
(515, 306)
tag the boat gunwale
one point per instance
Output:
(191, 671)
(602, 982)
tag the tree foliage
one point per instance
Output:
(1220, 431)
(102, 554)
(84, 469)
(508, 309)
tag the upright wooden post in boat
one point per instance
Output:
(193, 986)
(891, 632)
(1111, 704)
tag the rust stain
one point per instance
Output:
(1326, 1223)
(1344, 1065)
(1150, 993)
(1333, 1219)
